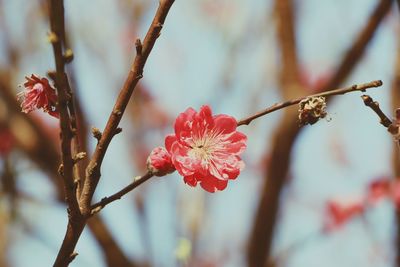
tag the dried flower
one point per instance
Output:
(312, 109)
(159, 162)
(206, 148)
(38, 94)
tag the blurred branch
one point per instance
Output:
(285, 24)
(262, 233)
(341, 91)
(395, 98)
(356, 50)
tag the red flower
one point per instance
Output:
(159, 162)
(206, 148)
(339, 212)
(38, 94)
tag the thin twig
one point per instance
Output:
(341, 91)
(135, 74)
(95, 208)
(374, 105)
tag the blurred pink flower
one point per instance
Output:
(159, 162)
(206, 148)
(38, 94)
(378, 189)
(341, 211)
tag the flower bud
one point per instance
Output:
(159, 162)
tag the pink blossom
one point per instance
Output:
(159, 162)
(38, 94)
(341, 211)
(206, 148)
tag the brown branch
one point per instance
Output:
(395, 99)
(285, 23)
(357, 49)
(76, 222)
(135, 74)
(261, 234)
(65, 104)
(357, 87)
(95, 208)
(374, 105)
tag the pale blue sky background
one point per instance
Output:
(185, 70)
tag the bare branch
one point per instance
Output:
(357, 87)
(374, 105)
(61, 81)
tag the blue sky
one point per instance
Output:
(194, 51)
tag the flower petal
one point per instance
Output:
(211, 184)
(169, 140)
(224, 123)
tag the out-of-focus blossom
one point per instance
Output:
(205, 149)
(6, 142)
(159, 162)
(341, 211)
(38, 94)
(378, 189)
(384, 188)
(311, 110)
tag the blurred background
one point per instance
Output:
(238, 57)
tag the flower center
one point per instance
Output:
(204, 146)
